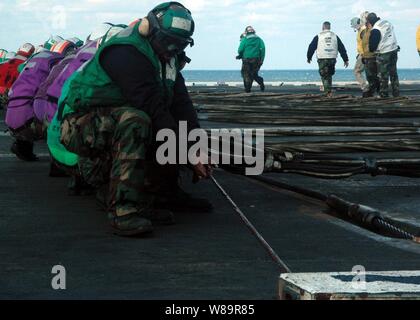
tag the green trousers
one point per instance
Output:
(371, 69)
(112, 143)
(387, 68)
(326, 71)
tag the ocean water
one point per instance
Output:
(345, 75)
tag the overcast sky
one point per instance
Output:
(287, 26)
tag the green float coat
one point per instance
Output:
(91, 87)
(252, 47)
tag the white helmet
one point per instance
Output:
(113, 31)
(99, 31)
(355, 23)
(363, 18)
(52, 40)
(105, 32)
(10, 55)
(76, 41)
(40, 49)
(26, 50)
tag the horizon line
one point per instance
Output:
(297, 69)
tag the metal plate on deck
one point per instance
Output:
(398, 285)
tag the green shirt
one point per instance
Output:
(252, 47)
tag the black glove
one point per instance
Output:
(238, 57)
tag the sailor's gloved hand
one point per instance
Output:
(309, 61)
(238, 57)
(346, 64)
(202, 172)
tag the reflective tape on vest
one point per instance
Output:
(327, 45)
(388, 41)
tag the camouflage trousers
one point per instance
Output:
(250, 69)
(326, 71)
(371, 69)
(359, 72)
(112, 144)
(387, 68)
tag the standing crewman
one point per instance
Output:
(327, 46)
(114, 106)
(252, 52)
(418, 40)
(359, 68)
(369, 61)
(384, 43)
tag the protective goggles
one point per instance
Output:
(170, 43)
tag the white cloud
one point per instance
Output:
(286, 25)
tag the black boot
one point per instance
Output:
(156, 216)
(78, 187)
(24, 150)
(56, 171)
(136, 224)
(131, 225)
(367, 94)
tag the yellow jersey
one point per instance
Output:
(418, 39)
(365, 36)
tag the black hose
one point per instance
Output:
(295, 189)
(369, 218)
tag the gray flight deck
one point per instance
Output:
(203, 256)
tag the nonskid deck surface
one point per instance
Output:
(202, 256)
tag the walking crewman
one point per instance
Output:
(327, 46)
(384, 43)
(369, 61)
(359, 68)
(252, 52)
